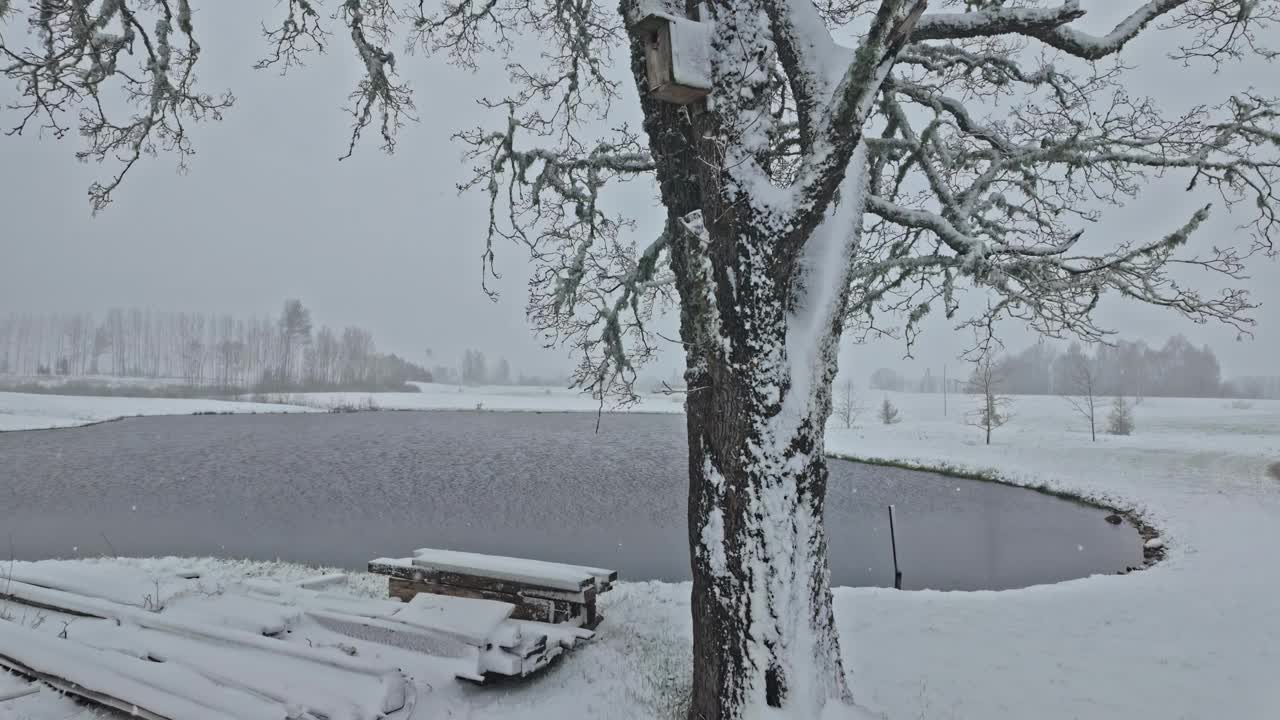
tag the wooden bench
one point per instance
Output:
(541, 591)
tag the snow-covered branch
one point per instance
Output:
(592, 288)
(370, 23)
(575, 74)
(839, 130)
(1221, 27)
(88, 54)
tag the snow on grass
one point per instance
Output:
(507, 398)
(23, 411)
(1195, 636)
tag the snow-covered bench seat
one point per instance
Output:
(542, 591)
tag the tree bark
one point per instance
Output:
(761, 337)
(764, 631)
(761, 315)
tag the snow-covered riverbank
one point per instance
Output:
(1196, 636)
(24, 411)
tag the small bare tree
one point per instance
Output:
(889, 414)
(1083, 379)
(1120, 420)
(992, 411)
(848, 406)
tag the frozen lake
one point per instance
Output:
(341, 489)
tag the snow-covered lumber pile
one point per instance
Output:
(172, 648)
(155, 664)
(480, 637)
(540, 591)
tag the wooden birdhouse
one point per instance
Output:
(677, 58)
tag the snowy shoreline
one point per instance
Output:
(29, 411)
(1147, 528)
(1194, 636)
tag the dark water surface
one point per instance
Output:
(341, 489)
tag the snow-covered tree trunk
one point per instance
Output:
(763, 281)
(759, 395)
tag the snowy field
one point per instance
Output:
(506, 398)
(1196, 636)
(25, 411)
(111, 382)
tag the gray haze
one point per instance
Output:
(267, 212)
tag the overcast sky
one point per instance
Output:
(268, 212)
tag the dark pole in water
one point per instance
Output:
(893, 541)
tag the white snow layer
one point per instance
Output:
(691, 53)
(1196, 636)
(23, 411)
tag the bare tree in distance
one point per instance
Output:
(1120, 419)
(848, 405)
(887, 379)
(822, 187)
(501, 373)
(992, 411)
(1082, 393)
(889, 414)
(295, 331)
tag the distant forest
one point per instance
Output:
(474, 369)
(1126, 367)
(264, 354)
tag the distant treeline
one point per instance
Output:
(474, 369)
(270, 354)
(1133, 368)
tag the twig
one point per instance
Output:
(110, 547)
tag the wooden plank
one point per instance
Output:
(405, 570)
(520, 570)
(289, 595)
(124, 585)
(322, 689)
(407, 590)
(231, 610)
(320, 582)
(21, 692)
(527, 608)
(471, 620)
(80, 691)
(155, 691)
(567, 636)
(479, 561)
(390, 680)
(394, 634)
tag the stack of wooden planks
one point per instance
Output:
(481, 636)
(540, 591)
(257, 648)
(165, 667)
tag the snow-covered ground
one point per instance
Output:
(111, 382)
(24, 411)
(507, 398)
(1196, 636)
